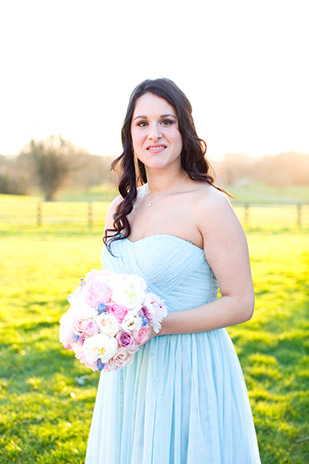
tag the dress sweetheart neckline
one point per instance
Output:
(164, 235)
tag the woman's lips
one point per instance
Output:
(156, 148)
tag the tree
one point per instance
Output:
(53, 163)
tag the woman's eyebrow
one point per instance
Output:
(168, 115)
(162, 116)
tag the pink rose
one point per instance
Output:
(83, 328)
(97, 275)
(118, 311)
(79, 325)
(142, 335)
(123, 357)
(97, 291)
(90, 328)
(125, 339)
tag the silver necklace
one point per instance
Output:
(151, 202)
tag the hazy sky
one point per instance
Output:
(69, 66)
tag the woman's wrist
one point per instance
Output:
(165, 324)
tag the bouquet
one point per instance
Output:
(109, 318)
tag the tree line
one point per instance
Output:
(282, 170)
(55, 163)
(52, 164)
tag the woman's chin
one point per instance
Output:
(159, 164)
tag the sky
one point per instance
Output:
(68, 67)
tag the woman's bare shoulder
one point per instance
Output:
(213, 210)
(116, 201)
(207, 197)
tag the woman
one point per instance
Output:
(183, 400)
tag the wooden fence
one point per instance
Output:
(286, 211)
(94, 213)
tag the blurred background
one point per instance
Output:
(68, 68)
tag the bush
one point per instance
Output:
(13, 186)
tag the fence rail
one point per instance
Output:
(90, 213)
(253, 214)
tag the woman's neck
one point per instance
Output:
(159, 182)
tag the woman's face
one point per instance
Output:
(156, 139)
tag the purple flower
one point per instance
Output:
(100, 365)
(143, 315)
(101, 308)
(142, 312)
(125, 339)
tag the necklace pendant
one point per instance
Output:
(151, 202)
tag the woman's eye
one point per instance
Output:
(164, 122)
(167, 122)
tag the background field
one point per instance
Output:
(258, 206)
(47, 397)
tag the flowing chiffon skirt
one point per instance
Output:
(183, 400)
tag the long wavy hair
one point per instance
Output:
(133, 171)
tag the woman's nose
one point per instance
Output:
(154, 132)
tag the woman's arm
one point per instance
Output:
(226, 251)
(109, 221)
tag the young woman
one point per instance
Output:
(183, 400)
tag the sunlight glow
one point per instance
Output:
(70, 66)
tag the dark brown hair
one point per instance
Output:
(192, 156)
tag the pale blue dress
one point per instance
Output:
(184, 399)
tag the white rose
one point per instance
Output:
(81, 309)
(101, 347)
(130, 322)
(129, 291)
(66, 334)
(108, 324)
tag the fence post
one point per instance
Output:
(90, 214)
(246, 216)
(39, 214)
(299, 211)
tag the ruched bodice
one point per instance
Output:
(180, 276)
(183, 400)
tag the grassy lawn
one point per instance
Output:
(47, 397)
(260, 193)
(251, 192)
(20, 213)
(274, 346)
(46, 400)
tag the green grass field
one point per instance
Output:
(25, 212)
(47, 396)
